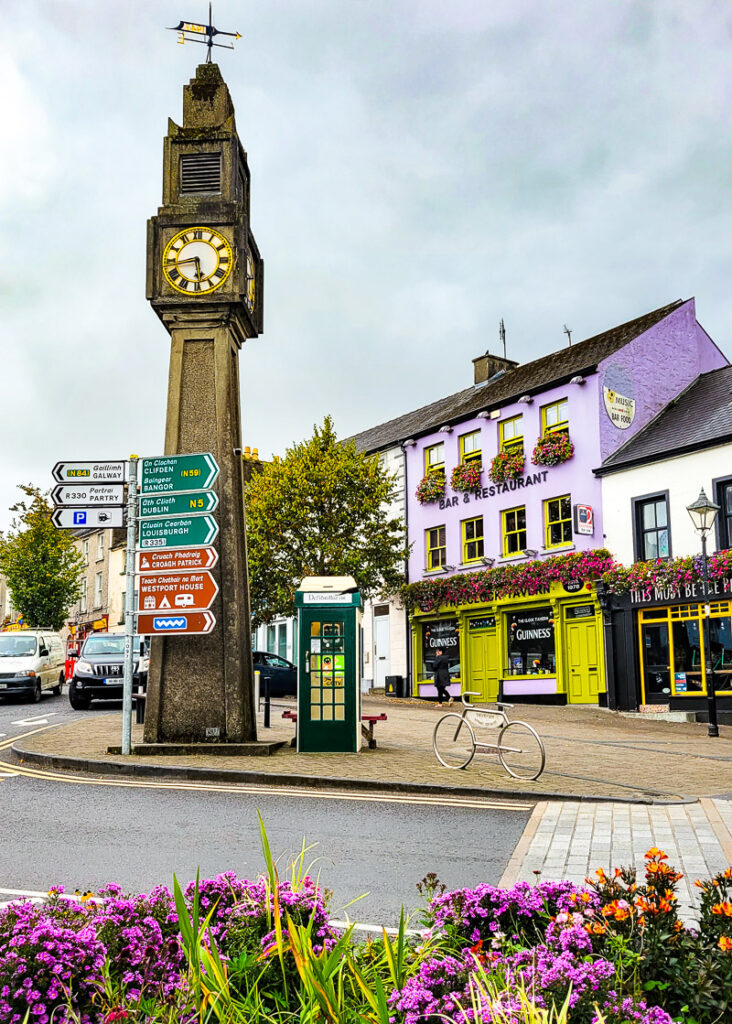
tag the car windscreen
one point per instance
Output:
(101, 644)
(17, 646)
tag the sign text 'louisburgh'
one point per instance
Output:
(177, 532)
(167, 474)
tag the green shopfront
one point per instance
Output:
(537, 648)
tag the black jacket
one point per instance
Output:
(442, 670)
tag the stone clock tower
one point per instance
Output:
(204, 280)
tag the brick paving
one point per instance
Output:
(590, 752)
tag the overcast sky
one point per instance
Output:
(420, 169)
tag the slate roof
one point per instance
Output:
(528, 378)
(700, 417)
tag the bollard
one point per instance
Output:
(267, 680)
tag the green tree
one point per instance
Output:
(41, 566)
(322, 510)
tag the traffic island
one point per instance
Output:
(255, 749)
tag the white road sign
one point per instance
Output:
(89, 472)
(88, 494)
(87, 518)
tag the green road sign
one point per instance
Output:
(168, 474)
(177, 532)
(193, 503)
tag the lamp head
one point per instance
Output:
(703, 512)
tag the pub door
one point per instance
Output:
(582, 661)
(483, 664)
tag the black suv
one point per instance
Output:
(98, 672)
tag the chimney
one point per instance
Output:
(485, 367)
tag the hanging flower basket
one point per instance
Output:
(431, 488)
(507, 466)
(553, 449)
(466, 477)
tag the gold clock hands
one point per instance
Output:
(197, 261)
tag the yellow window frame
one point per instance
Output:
(548, 523)
(431, 465)
(473, 548)
(548, 412)
(436, 553)
(682, 613)
(468, 450)
(511, 443)
(506, 533)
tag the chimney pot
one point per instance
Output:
(486, 366)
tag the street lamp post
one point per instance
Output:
(703, 513)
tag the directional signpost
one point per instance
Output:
(192, 503)
(180, 623)
(88, 494)
(169, 474)
(177, 531)
(87, 518)
(89, 472)
(177, 560)
(184, 591)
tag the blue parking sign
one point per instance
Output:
(80, 518)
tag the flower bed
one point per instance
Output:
(667, 573)
(430, 488)
(507, 465)
(509, 580)
(553, 449)
(466, 476)
(231, 951)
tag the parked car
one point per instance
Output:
(31, 660)
(98, 674)
(282, 674)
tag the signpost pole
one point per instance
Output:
(129, 607)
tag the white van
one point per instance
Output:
(31, 660)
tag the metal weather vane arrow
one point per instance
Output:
(191, 31)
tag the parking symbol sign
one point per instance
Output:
(79, 518)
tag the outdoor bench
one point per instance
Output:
(367, 726)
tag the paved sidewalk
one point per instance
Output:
(568, 839)
(591, 753)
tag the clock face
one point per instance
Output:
(197, 261)
(250, 297)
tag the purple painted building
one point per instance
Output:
(578, 405)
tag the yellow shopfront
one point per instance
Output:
(545, 647)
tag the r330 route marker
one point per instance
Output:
(170, 474)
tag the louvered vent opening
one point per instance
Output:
(200, 172)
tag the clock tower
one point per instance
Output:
(204, 281)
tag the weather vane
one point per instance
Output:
(191, 31)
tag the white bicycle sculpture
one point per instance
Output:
(459, 736)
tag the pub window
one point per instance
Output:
(470, 448)
(558, 521)
(531, 646)
(472, 530)
(555, 417)
(673, 649)
(514, 530)
(436, 547)
(434, 459)
(443, 634)
(652, 536)
(724, 500)
(511, 433)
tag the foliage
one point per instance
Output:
(232, 951)
(552, 449)
(466, 476)
(509, 580)
(322, 510)
(40, 564)
(430, 488)
(507, 465)
(667, 573)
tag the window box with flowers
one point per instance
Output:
(466, 476)
(507, 465)
(430, 488)
(553, 449)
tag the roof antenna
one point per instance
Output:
(502, 336)
(569, 334)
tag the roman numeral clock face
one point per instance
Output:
(197, 261)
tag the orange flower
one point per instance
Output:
(725, 944)
(723, 909)
(656, 854)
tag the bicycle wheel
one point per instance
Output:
(521, 751)
(453, 741)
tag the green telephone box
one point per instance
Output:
(329, 676)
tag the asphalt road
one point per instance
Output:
(84, 835)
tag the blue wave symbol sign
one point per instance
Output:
(166, 622)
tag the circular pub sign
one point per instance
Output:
(573, 586)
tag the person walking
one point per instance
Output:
(441, 670)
